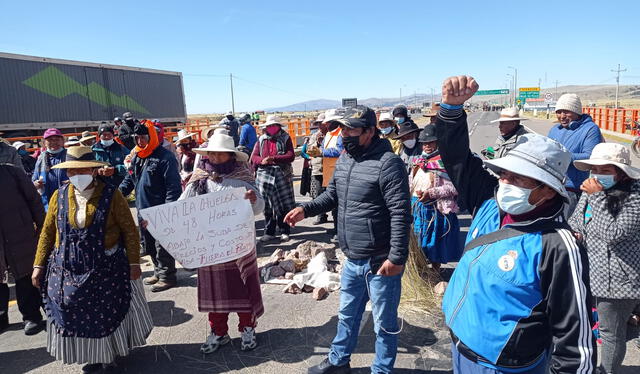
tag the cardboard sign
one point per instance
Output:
(328, 167)
(204, 230)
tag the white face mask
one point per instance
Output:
(513, 199)
(409, 143)
(106, 143)
(81, 181)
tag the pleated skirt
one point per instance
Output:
(132, 332)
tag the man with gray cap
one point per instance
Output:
(371, 192)
(579, 134)
(519, 299)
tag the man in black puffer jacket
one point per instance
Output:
(371, 191)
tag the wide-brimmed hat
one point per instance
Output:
(386, 117)
(406, 127)
(433, 111)
(610, 154)
(271, 120)
(87, 135)
(222, 143)
(80, 157)
(184, 134)
(509, 114)
(71, 141)
(428, 134)
(537, 157)
(315, 124)
(17, 145)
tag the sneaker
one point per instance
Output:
(284, 237)
(92, 368)
(32, 327)
(334, 239)
(325, 367)
(248, 339)
(150, 280)
(162, 285)
(267, 238)
(214, 342)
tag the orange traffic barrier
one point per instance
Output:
(617, 120)
(296, 127)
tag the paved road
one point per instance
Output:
(295, 331)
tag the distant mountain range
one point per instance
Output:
(589, 94)
(373, 102)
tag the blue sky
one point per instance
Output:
(285, 52)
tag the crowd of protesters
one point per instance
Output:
(555, 231)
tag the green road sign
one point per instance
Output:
(492, 92)
(530, 94)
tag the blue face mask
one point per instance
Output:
(606, 180)
(56, 151)
(22, 152)
(399, 120)
(386, 130)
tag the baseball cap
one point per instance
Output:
(359, 116)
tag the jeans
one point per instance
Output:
(164, 265)
(462, 365)
(28, 297)
(384, 293)
(613, 315)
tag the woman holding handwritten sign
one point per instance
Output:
(231, 287)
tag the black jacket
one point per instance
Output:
(509, 315)
(374, 209)
(125, 133)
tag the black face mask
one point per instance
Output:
(352, 145)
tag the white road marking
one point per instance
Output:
(473, 128)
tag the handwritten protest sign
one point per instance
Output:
(204, 230)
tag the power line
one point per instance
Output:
(274, 88)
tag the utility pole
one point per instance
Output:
(618, 71)
(515, 84)
(233, 103)
(400, 95)
(432, 97)
(556, 94)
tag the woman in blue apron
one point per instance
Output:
(433, 198)
(89, 250)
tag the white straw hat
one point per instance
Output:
(509, 114)
(610, 154)
(386, 116)
(184, 134)
(272, 120)
(219, 142)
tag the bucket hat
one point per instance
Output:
(537, 157)
(610, 154)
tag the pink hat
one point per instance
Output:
(51, 132)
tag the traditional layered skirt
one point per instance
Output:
(232, 287)
(94, 311)
(437, 233)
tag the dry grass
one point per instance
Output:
(418, 281)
